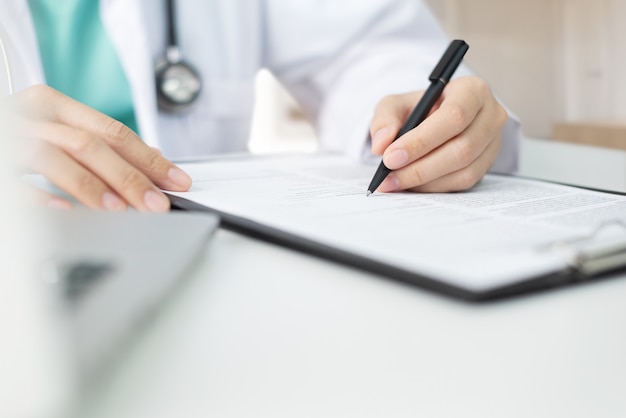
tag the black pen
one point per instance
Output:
(438, 79)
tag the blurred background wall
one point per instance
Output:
(548, 60)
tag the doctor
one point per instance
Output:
(86, 108)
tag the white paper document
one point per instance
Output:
(500, 232)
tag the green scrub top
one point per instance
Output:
(78, 57)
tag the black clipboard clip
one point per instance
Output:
(602, 251)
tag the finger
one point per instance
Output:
(452, 156)
(458, 107)
(129, 146)
(56, 202)
(389, 116)
(149, 161)
(71, 177)
(54, 106)
(466, 177)
(102, 162)
(49, 199)
(445, 180)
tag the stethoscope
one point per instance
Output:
(178, 84)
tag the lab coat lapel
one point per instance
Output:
(20, 40)
(124, 23)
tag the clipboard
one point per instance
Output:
(585, 257)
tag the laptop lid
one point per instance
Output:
(112, 270)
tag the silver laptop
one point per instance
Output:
(75, 286)
(111, 270)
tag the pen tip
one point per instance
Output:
(368, 193)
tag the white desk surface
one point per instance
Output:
(257, 330)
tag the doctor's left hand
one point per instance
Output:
(94, 158)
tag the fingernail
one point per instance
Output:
(112, 202)
(396, 159)
(390, 184)
(56, 203)
(179, 177)
(380, 136)
(156, 202)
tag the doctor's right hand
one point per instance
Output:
(94, 158)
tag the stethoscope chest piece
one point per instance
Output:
(178, 84)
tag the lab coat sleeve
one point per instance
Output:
(338, 59)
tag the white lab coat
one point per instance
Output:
(337, 58)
